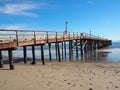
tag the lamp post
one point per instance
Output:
(66, 23)
(90, 32)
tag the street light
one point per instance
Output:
(90, 32)
(66, 23)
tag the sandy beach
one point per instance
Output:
(61, 76)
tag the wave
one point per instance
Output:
(109, 50)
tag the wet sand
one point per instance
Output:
(61, 76)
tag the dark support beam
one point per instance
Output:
(76, 48)
(50, 56)
(42, 55)
(81, 48)
(56, 48)
(84, 45)
(59, 52)
(65, 49)
(25, 54)
(94, 46)
(90, 45)
(85, 48)
(33, 55)
(62, 51)
(1, 62)
(11, 59)
(70, 50)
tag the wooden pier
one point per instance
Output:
(11, 39)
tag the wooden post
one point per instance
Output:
(95, 46)
(62, 51)
(25, 54)
(49, 46)
(33, 55)
(56, 46)
(70, 50)
(42, 55)
(47, 37)
(76, 48)
(17, 37)
(11, 59)
(65, 49)
(59, 52)
(85, 48)
(91, 45)
(34, 37)
(1, 62)
(81, 48)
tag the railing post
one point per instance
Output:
(63, 37)
(17, 38)
(73, 35)
(34, 37)
(69, 35)
(56, 36)
(77, 35)
(47, 37)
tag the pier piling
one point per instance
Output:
(50, 56)
(76, 48)
(62, 51)
(65, 49)
(81, 49)
(1, 62)
(58, 46)
(33, 55)
(42, 55)
(25, 54)
(11, 59)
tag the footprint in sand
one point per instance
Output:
(116, 86)
(90, 83)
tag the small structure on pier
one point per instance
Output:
(11, 39)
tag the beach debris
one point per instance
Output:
(90, 89)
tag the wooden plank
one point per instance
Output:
(8, 45)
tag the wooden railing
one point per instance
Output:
(30, 35)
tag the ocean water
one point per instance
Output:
(107, 54)
(112, 52)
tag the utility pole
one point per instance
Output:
(66, 23)
(90, 32)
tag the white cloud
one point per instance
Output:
(20, 9)
(90, 2)
(21, 26)
(14, 26)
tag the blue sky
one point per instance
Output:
(102, 17)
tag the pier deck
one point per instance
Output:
(11, 39)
